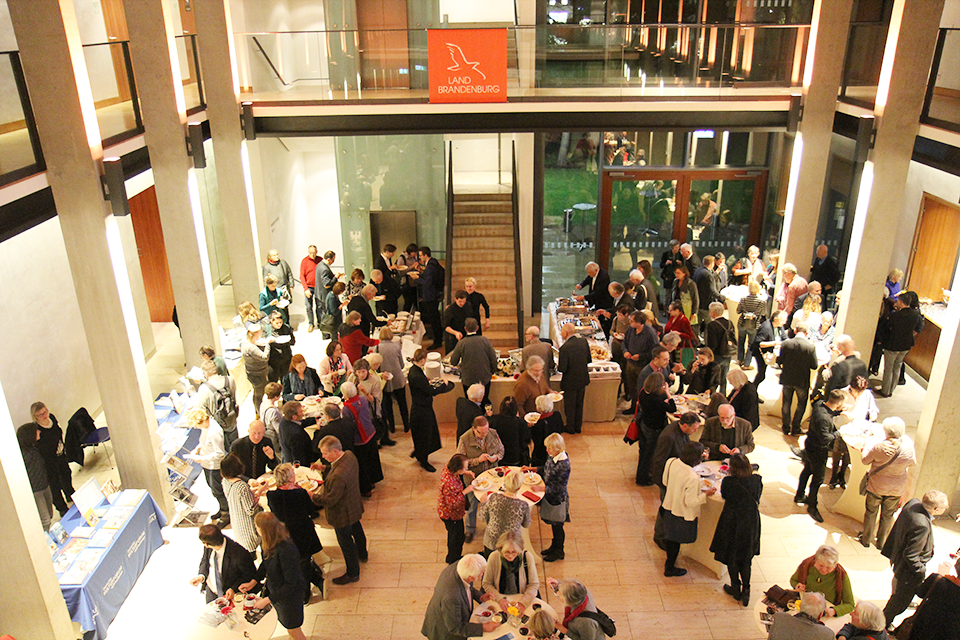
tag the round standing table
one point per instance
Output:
(263, 630)
(506, 627)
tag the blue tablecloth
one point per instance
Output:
(171, 417)
(95, 603)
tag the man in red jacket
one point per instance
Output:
(308, 278)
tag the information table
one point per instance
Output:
(95, 601)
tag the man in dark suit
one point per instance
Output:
(690, 259)
(721, 339)
(361, 304)
(430, 295)
(909, 548)
(476, 358)
(389, 289)
(825, 271)
(770, 330)
(455, 318)
(255, 451)
(598, 280)
(819, 443)
(618, 296)
(343, 428)
(450, 608)
(340, 495)
(225, 565)
(707, 290)
(469, 408)
(294, 441)
(573, 361)
(798, 357)
(384, 261)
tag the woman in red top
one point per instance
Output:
(352, 338)
(451, 504)
(678, 322)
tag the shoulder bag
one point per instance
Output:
(866, 477)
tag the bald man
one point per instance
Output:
(255, 451)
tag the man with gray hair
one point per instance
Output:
(909, 548)
(798, 357)
(598, 280)
(806, 624)
(332, 423)
(639, 291)
(450, 608)
(340, 495)
(690, 259)
(388, 290)
(476, 358)
(792, 287)
(469, 408)
(534, 346)
(361, 304)
(721, 339)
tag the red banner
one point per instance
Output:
(468, 65)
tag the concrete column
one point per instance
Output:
(56, 75)
(157, 68)
(132, 253)
(938, 448)
(811, 150)
(31, 586)
(221, 90)
(910, 44)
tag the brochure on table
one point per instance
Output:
(177, 439)
(76, 556)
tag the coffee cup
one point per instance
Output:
(249, 601)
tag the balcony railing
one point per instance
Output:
(941, 108)
(608, 61)
(20, 154)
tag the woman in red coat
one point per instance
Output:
(352, 338)
(679, 323)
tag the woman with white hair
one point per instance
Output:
(866, 623)
(555, 506)
(504, 511)
(511, 571)
(744, 397)
(890, 460)
(577, 600)
(549, 422)
(823, 573)
(822, 334)
(364, 444)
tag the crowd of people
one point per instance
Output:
(692, 347)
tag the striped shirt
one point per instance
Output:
(751, 305)
(243, 506)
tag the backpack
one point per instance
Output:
(225, 409)
(607, 625)
(730, 339)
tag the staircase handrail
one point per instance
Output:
(517, 268)
(449, 253)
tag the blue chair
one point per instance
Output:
(100, 436)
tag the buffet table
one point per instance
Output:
(94, 601)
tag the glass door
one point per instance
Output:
(641, 210)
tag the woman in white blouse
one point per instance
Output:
(209, 453)
(681, 503)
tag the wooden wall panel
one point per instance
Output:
(145, 215)
(935, 246)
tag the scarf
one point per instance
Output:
(569, 615)
(509, 574)
(364, 433)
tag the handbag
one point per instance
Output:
(866, 477)
(782, 597)
(633, 433)
(553, 512)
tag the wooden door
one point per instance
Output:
(115, 21)
(145, 215)
(385, 61)
(933, 257)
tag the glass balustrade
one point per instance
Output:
(942, 105)
(20, 154)
(606, 61)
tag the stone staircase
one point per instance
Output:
(483, 248)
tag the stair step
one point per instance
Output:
(472, 206)
(495, 248)
(484, 231)
(485, 281)
(462, 197)
(470, 219)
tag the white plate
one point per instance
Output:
(555, 397)
(281, 339)
(532, 477)
(484, 484)
(532, 417)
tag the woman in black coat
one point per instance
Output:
(744, 397)
(654, 404)
(281, 351)
(550, 422)
(281, 570)
(737, 538)
(423, 421)
(292, 506)
(50, 446)
(514, 434)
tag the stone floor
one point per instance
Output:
(608, 544)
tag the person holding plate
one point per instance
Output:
(273, 298)
(555, 507)
(451, 504)
(334, 368)
(280, 570)
(423, 421)
(281, 352)
(292, 505)
(256, 359)
(483, 449)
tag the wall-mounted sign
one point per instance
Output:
(468, 65)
